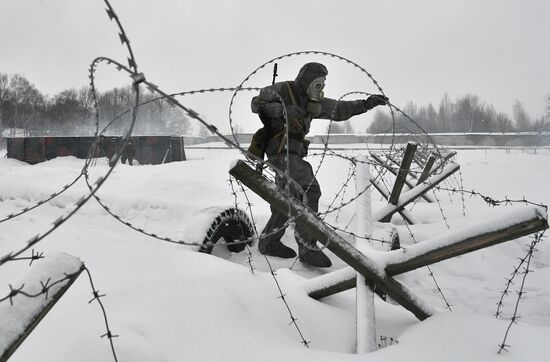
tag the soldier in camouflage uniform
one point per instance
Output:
(304, 101)
(108, 147)
(128, 152)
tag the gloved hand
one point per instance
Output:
(376, 100)
(295, 112)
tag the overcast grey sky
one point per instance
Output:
(417, 50)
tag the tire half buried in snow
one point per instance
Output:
(232, 225)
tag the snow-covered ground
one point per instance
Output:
(169, 303)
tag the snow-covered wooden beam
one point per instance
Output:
(396, 173)
(317, 229)
(409, 196)
(406, 214)
(426, 171)
(33, 297)
(491, 231)
(446, 157)
(402, 174)
(512, 224)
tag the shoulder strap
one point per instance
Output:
(291, 93)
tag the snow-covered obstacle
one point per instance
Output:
(230, 224)
(316, 228)
(375, 267)
(506, 225)
(428, 180)
(33, 297)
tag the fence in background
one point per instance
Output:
(148, 149)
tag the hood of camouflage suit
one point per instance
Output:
(308, 73)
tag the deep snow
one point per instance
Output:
(169, 303)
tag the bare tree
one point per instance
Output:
(4, 94)
(203, 131)
(340, 127)
(547, 109)
(381, 122)
(444, 113)
(468, 113)
(521, 118)
(504, 122)
(26, 101)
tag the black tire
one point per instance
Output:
(232, 225)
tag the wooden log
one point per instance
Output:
(405, 214)
(402, 173)
(426, 171)
(317, 229)
(390, 169)
(409, 196)
(464, 241)
(436, 249)
(365, 314)
(20, 319)
(330, 283)
(421, 157)
(442, 162)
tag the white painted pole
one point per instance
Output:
(366, 322)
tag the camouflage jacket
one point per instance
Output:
(269, 107)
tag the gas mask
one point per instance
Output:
(315, 89)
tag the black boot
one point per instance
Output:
(314, 258)
(278, 249)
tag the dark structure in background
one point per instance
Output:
(151, 150)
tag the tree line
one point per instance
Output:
(25, 111)
(466, 113)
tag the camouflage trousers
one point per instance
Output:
(301, 172)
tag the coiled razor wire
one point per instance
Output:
(139, 78)
(136, 80)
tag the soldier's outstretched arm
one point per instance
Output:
(344, 110)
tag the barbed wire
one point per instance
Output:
(491, 201)
(97, 297)
(386, 341)
(520, 293)
(137, 78)
(461, 186)
(282, 295)
(34, 256)
(441, 210)
(255, 236)
(430, 271)
(48, 284)
(42, 202)
(212, 128)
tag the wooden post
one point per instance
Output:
(426, 171)
(442, 162)
(409, 196)
(440, 248)
(317, 229)
(437, 249)
(405, 214)
(15, 335)
(364, 301)
(391, 170)
(402, 174)
(409, 185)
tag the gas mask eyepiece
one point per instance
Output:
(315, 89)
